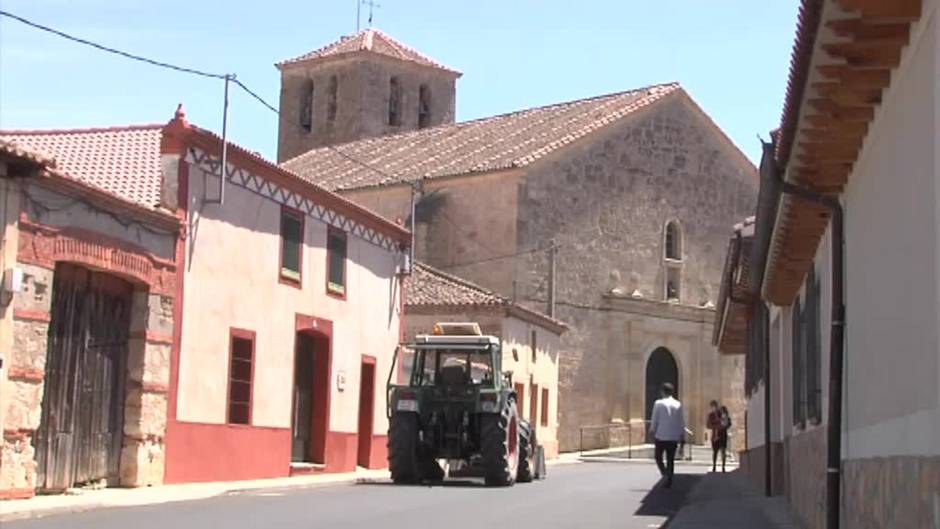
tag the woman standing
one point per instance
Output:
(719, 421)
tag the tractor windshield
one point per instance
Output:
(452, 367)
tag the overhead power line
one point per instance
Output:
(109, 49)
(182, 69)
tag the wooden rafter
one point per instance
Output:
(884, 9)
(872, 53)
(858, 28)
(859, 78)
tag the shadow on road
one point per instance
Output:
(661, 501)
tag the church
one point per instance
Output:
(609, 213)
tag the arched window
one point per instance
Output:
(306, 105)
(673, 242)
(424, 106)
(331, 105)
(394, 102)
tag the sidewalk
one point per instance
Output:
(79, 500)
(729, 501)
(84, 500)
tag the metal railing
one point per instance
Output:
(683, 454)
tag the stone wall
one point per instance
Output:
(361, 100)
(605, 202)
(900, 492)
(24, 384)
(805, 475)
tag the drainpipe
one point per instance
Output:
(836, 346)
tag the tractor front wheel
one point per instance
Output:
(499, 437)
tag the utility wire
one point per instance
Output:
(101, 47)
(182, 69)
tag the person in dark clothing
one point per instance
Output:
(719, 420)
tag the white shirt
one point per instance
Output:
(667, 423)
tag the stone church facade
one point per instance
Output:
(611, 213)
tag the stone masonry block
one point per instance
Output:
(30, 341)
(23, 404)
(142, 463)
(17, 464)
(144, 414)
(37, 289)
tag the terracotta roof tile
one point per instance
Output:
(500, 142)
(123, 161)
(430, 287)
(371, 41)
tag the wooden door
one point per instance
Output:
(80, 435)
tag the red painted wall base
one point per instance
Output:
(378, 455)
(225, 452)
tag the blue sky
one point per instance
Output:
(731, 55)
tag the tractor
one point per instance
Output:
(452, 402)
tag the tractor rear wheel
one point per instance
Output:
(527, 450)
(499, 439)
(403, 460)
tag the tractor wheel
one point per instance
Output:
(527, 451)
(499, 437)
(403, 460)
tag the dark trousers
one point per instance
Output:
(667, 469)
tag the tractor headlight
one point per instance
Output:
(488, 406)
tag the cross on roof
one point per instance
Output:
(372, 5)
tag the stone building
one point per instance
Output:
(840, 294)
(273, 365)
(87, 308)
(529, 339)
(632, 194)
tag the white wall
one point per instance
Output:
(892, 404)
(232, 281)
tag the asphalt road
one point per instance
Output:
(587, 495)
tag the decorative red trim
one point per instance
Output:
(330, 230)
(30, 374)
(368, 359)
(17, 494)
(366, 412)
(32, 315)
(281, 278)
(183, 201)
(249, 336)
(17, 434)
(341, 451)
(303, 322)
(44, 245)
(212, 144)
(154, 387)
(153, 337)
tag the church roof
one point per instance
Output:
(369, 40)
(431, 289)
(510, 140)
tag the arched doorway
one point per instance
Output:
(660, 368)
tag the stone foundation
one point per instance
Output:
(805, 473)
(752, 465)
(901, 492)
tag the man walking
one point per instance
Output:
(668, 429)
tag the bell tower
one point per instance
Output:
(361, 86)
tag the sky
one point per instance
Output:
(732, 56)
